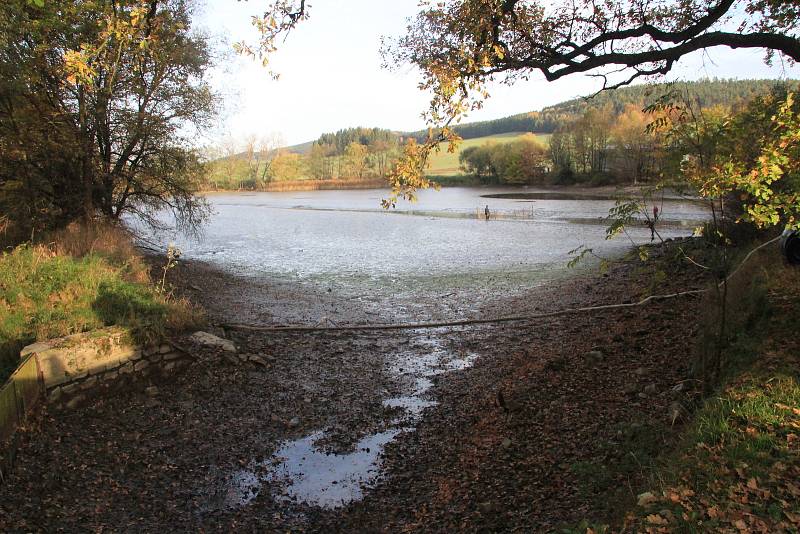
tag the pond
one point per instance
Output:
(343, 241)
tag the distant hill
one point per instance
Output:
(302, 148)
(706, 92)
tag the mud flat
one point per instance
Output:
(370, 431)
(377, 430)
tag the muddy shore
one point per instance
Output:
(530, 429)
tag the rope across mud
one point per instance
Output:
(464, 322)
(494, 320)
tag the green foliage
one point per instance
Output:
(746, 160)
(342, 139)
(633, 451)
(446, 163)
(521, 161)
(769, 180)
(624, 212)
(581, 252)
(287, 166)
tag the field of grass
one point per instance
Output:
(446, 164)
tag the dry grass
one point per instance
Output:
(78, 240)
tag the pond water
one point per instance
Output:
(301, 472)
(347, 234)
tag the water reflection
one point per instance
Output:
(301, 472)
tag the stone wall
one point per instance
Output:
(65, 372)
(73, 366)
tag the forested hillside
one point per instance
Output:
(707, 93)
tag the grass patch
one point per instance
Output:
(630, 456)
(46, 293)
(737, 467)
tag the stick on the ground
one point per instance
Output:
(465, 322)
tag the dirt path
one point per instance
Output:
(413, 413)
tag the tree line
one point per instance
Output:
(601, 144)
(340, 140)
(707, 93)
(595, 140)
(351, 154)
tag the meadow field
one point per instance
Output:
(446, 164)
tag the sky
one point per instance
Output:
(331, 75)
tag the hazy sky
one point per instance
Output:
(331, 75)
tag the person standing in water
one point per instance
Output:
(486, 212)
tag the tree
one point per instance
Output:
(260, 152)
(635, 145)
(356, 161)
(228, 167)
(100, 101)
(523, 161)
(477, 161)
(561, 154)
(287, 166)
(460, 45)
(533, 158)
(748, 161)
(381, 154)
(320, 161)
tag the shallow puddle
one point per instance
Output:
(300, 472)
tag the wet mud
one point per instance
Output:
(431, 430)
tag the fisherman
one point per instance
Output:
(486, 212)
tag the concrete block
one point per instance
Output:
(69, 389)
(111, 375)
(55, 395)
(71, 358)
(89, 383)
(75, 401)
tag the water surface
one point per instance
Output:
(347, 234)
